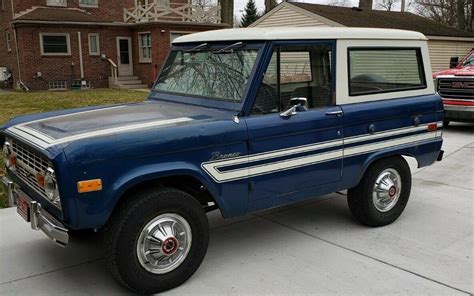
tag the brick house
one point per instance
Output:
(60, 44)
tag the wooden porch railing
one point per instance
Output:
(114, 70)
(161, 11)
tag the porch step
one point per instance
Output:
(124, 78)
(135, 81)
(127, 82)
(131, 86)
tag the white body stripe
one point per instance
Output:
(43, 141)
(214, 168)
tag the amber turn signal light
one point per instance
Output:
(89, 185)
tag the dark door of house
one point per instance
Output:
(124, 56)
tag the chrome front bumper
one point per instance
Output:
(40, 218)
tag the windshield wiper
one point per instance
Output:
(197, 48)
(229, 48)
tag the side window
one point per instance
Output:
(376, 70)
(267, 95)
(296, 75)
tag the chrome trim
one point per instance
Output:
(164, 243)
(10, 187)
(337, 113)
(387, 190)
(42, 220)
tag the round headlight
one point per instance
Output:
(6, 154)
(51, 187)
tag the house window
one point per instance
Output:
(94, 47)
(55, 44)
(381, 70)
(145, 47)
(8, 40)
(89, 3)
(174, 35)
(58, 85)
(62, 3)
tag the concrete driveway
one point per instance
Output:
(310, 248)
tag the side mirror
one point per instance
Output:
(297, 105)
(301, 102)
(453, 62)
(290, 112)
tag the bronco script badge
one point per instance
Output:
(217, 155)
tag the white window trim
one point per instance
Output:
(8, 40)
(141, 59)
(56, 4)
(342, 87)
(89, 6)
(68, 40)
(98, 44)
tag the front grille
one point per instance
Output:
(456, 88)
(29, 165)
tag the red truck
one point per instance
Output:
(456, 87)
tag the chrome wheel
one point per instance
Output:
(164, 243)
(387, 189)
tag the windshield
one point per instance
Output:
(221, 75)
(469, 61)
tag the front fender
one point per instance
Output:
(156, 171)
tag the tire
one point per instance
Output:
(387, 205)
(124, 236)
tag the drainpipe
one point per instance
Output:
(81, 65)
(13, 9)
(17, 54)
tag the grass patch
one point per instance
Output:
(21, 103)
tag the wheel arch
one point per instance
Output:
(381, 155)
(185, 178)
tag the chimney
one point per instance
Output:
(366, 4)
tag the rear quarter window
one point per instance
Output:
(382, 70)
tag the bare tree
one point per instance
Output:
(339, 3)
(204, 3)
(386, 4)
(454, 13)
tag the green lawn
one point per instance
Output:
(19, 103)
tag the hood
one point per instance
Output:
(466, 71)
(112, 120)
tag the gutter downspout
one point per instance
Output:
(17, 56)
(13, 10)
(81, 64)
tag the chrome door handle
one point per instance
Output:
(332, 113)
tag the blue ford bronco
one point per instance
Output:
(239, 120)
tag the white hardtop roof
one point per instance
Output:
(299, 33)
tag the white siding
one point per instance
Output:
(442, 50)
(285, 17)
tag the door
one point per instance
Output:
(124, 56)
(295, 128)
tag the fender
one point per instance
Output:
(156, 171)
(423, 153)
